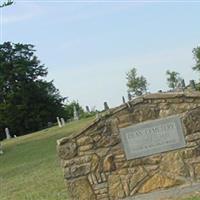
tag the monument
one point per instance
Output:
(150, 145)
(123, 100)
(106, 107)
(87, 109)
(76, 117)
(129, 96)
(59, 122)
(62, 121)
(192, 84)
(1, 149)
(7, 133)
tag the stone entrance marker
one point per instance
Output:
(120, 155)
(152, 137)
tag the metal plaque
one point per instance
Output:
(152, 137)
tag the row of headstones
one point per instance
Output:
(61, 121)
(181, 85)
(8, 136)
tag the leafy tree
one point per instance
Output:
(27, 102)
(69, 110)
(137, 85)
(6, 3)
(173, 78)
(196, 53)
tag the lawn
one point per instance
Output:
(30, 169)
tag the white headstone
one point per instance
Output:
(7, 133)
(59, 123)
(62, 121)
(1, 150)
(76, 117)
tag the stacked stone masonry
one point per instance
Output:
(94, 162)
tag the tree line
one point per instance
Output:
(137, 85)
(27, 101)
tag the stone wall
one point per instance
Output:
(94, 163)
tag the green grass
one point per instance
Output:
(30, 168)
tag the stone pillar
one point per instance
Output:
(7, 133)
(87, 109)
(106, 107)
(1, 149)
(183, 83)
(123, 100)
(129, 96)
(62, 121)
(192, 84)
(59, 122)
(76, 117)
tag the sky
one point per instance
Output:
(89, 46)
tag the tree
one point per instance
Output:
(27, 101)
(173, 79)
(137, 85)
(6, 3)
(196, 53)
(69, 110)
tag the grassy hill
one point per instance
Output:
(30, 169)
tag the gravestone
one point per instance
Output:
(129, 96)
(1, 149)
(7, 133)
(49, 124)
(59, 122)
(123, 100)
(183, 83)
(87, 109)
(192, 84)
(62, 121)
(106, 107)
(76, 116)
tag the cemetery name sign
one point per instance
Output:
(152, 137)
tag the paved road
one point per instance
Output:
(172, 193)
